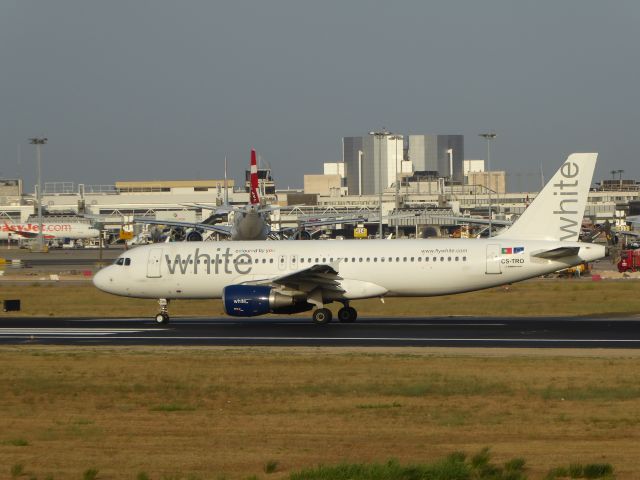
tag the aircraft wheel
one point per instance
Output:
(322, 316)
(162, 318)
(347, 314)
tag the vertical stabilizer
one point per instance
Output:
(557, 211)
(254, 199)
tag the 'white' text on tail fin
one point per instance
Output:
(557, 211)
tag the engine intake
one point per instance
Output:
(254, 300)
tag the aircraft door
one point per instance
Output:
(493, 259)
(282, 262)
(153, 263)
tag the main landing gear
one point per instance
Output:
(346, 314)
(162, 318)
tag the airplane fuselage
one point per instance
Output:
(366, 269)
(50, 230)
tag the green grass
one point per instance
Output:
(16, 442)
(90, 474)
(454, 467)
(593, 471)
(271, 466)
(368, 406)
(17, 470)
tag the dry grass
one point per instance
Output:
(536, 297)
(212, 412)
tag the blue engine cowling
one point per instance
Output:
(254, 300)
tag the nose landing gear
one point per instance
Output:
(162, 318)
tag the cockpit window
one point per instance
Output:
(127, 261)
(120, 261)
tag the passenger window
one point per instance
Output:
(360, 259)
(324, 260)
(412, 258)
(346, 260)
(271, 260)
(442, 259)
(457, 259)
(256, 260)
(419, 259)
(302, 260)
(264, 260)
(426, 259)
(404, 259)
(382, 259)
(449, 259)
(464, 259)
(368, 259)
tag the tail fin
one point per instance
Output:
(557, 211)
(254, 199)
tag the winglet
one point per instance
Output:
(557, 211)
(254, 199)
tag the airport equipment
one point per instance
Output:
(629, 261)
(11, 306)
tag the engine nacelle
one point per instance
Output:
(254, 300)
(194, 236)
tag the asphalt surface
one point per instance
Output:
(287, 331)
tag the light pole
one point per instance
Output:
(489, 137)
(396, 138)
(380, 135)
(37, 141)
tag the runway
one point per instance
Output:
(287, 331)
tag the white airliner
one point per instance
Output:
(249, 221)
(52, 228)
(255, 278)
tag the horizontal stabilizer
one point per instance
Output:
(556, 253)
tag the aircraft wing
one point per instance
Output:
(308, 279)
(23, 234)
(481, 221)
(170, 223)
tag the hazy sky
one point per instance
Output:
(129, 89)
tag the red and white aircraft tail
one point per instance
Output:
(254, 199)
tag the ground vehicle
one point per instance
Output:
(629, 261)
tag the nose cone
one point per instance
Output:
(103, 280)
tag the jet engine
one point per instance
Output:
(194, 236)
(254, 300)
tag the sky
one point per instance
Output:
(160, 89)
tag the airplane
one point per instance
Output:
(59, 228)
(249, 221)
(256, 278)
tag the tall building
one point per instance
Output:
(437, 156)
(373, 163)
